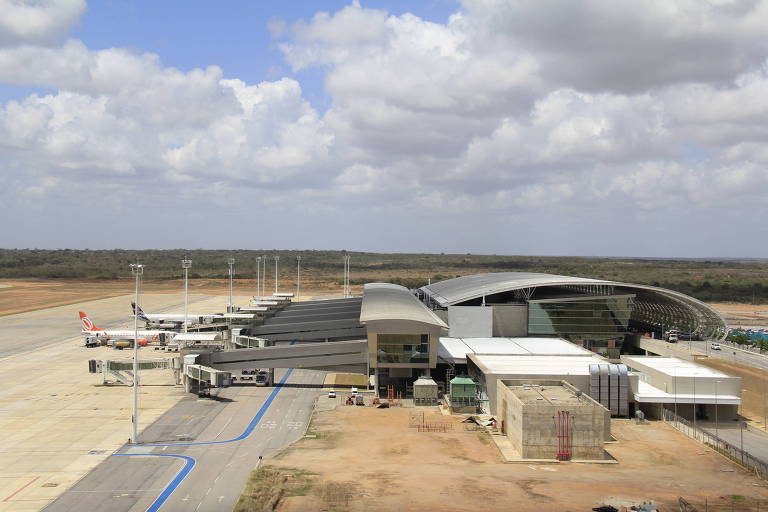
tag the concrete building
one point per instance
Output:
(403, 334)
(685, 386)
(488, 369)
(552, 420)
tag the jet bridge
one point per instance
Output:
(121, 370)
(340, 356)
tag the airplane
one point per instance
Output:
(174, 318)
(89, 329)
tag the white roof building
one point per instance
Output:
(671, 380)
(455, 350)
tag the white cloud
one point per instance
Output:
(509, 114)
(120, 115)
(37, 21)
(624, 45)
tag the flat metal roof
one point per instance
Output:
(455, 350)
(536, 365)
(386, 301)
(673, 366)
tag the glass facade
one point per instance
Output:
(403, 348)
(595, 323)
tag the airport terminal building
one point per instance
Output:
(496, 327)
(596, 314)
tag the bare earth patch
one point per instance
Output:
(19, 296)
(376, 462)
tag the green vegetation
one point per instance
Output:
(711, 281)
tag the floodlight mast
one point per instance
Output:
(264, 276)
(137, 270)
(298, 276)
(231, 263)
(186, 264)
(277, 258)
(258, 276)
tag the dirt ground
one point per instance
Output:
(754, 388)
(738, 307)
(738, 314)
(370, 459)
(18, 296)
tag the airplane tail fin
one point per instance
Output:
(139, 312)
(87, 323)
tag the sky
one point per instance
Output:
(584, 128)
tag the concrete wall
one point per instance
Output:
(488, 321)
(580, 382)
(510, 320)
(470, 321)
(532, 428)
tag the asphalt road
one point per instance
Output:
(728, 353)
(754, 441)
(199, 430)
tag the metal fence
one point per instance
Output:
(759, 466)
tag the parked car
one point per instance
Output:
(332, 394)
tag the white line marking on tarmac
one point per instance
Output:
(222, 428)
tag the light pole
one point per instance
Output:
(137, 270)
(277, 258)
(695, 407)
(258, 276)
(186, 264)
(231, 262)
(675, 384)
(298, 276)
(716, 431)
(346, 275)
(765, 400)
(264, 275)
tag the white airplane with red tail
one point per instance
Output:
(89, 329)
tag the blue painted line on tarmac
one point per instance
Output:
(189, 463)
(251, 426)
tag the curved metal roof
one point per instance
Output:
(386, 301)
(668, 303)
(460, 289)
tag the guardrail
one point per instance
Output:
(758, 466)
(745, 348)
